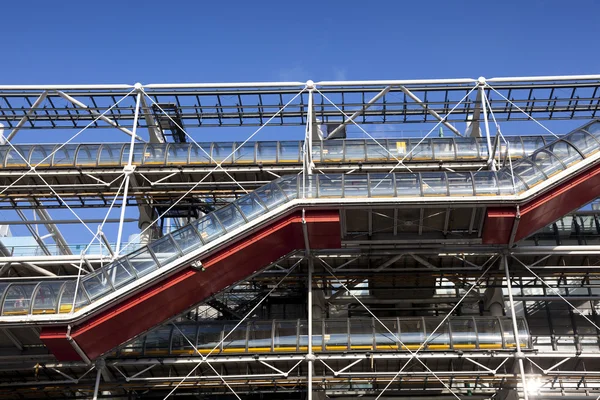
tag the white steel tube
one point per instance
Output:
(26, 116)
(310, 355)
(97, 385)
(487, 127)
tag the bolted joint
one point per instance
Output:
(198, 265)
(138, 87)
(310, 84)
(310, 357)
(481, 81)
(128, 169)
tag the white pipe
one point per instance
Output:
(26, 116)
(429, 110)
(233, 85)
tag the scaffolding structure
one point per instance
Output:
(457, 262)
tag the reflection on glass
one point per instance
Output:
(18, 299)
(251, 206)
(584, 142)
(187, 239)
(266, 152)
(209, 228)
(463, 334)
(382, 185)
(485, 183)
(434, 184)
(67, 296)
(154, 154)
(164, 249)
(65, 156)
(87, 154)
(230, 217)
(548, 163)
(443, 149)
(45, 299)
(421, 149)
(330, 186)
(222, 152)
(355, 186)
(244, 153)
(565, 152)
(271, 195)
(110, 154)
(460, 184)
(177, 154)
(530, 174)
(142, 261)
(355, 151)
(96, 285)
(119, 273)
(200, 153)
(289, 152)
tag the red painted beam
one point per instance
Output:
(187, 287)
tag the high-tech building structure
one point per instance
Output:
(424, 239)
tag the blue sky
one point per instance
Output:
(67, 42)
(158, 41)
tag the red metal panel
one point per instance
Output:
(498, 225)
(55, 339)
(187, 287)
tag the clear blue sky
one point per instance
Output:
(171, 41)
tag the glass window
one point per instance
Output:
(548, 163)
(271, 195)
(119, 272)
(200, 154)
(40, 155)
(134, 348)
(87, 155)
(530, 174)
(259, 337)
(17, 156)
(356, 186)
(209, 228)
(333, 151)
(514, 145)
(485, 183)
(65, 156)
(483, 149)
(355, 151)
(412, 333)
(488, 332)
(443, 149)
(317, 155)
(463, 333)
(155, 154)
(594, 130)
(165, 250)
(138, 154)
(336, 335)
(289, 185)
(381, 185)
(67, 296)
(96, 285)
(289, 152)
(460, 183)
(180, 344)
(584, 142)
(330, 186)
(222, 152)
(142, 261)
(317, 337)
(565, 152)
(361, 334)
(466, 148)
(177, 154)
(157, 341)
(251, 206)
(508, 184)
(110, 154)
(209, 336)
(434, 184)
(408, 185)
(532, 143)
(438, 338)
(286, 336)
(187, 239)
(234, 338)
(421, 150)
(266, 152)
(230, 217)
(384, 339)
(18, 299)
(244, 153)
(377, 152)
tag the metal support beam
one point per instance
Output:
(28, 114)
(429, 110)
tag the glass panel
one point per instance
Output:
(221, 152)
(377, 153)
(381, 185)
(515, 147)
(355, 151)
(180, 344)
(209, 336)
(245, 153)
(440, 340)
(66, 299)
(96, 285)
(208, 228)
(466, 148)
(177, 154)
(250, 206)
(508, 184)
(532, 143)
(356, 186)
(483, 149)
(230, 217)
(383, 338)
(266, 152)
(17, 157)
(549, 164)
(523, 333)
(259, 337)
(336, 335)
(333, 151)
(528, 173)
(289, 152)
(412, 334)
(119, 273)
(285, 336)
(138, 154)
(155, 154)
(488, 332)
(3, 151)
(330, 186)
(565, 152)
(87, 155)
(142, 261)
(434, 184)
(157, 342)
(584, 142)
(40, 156)
(271, 195)
(317, 339)
(200, 154)
(289, 185)
(361, 334)
(316, 152)
(187, 239)
(134, 348)
(18, 299)
(594, 129)
(408, 185)
(485, 183)
(236, 338)
(443, 149)
(460, 183)
(110, 154)
(421, 150)
(463, 334)
(164, 249)
(65, 156)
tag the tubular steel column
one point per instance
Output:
(491, 164)
(128, 169)
(310, 357)
(307, 162)
(519, 355)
